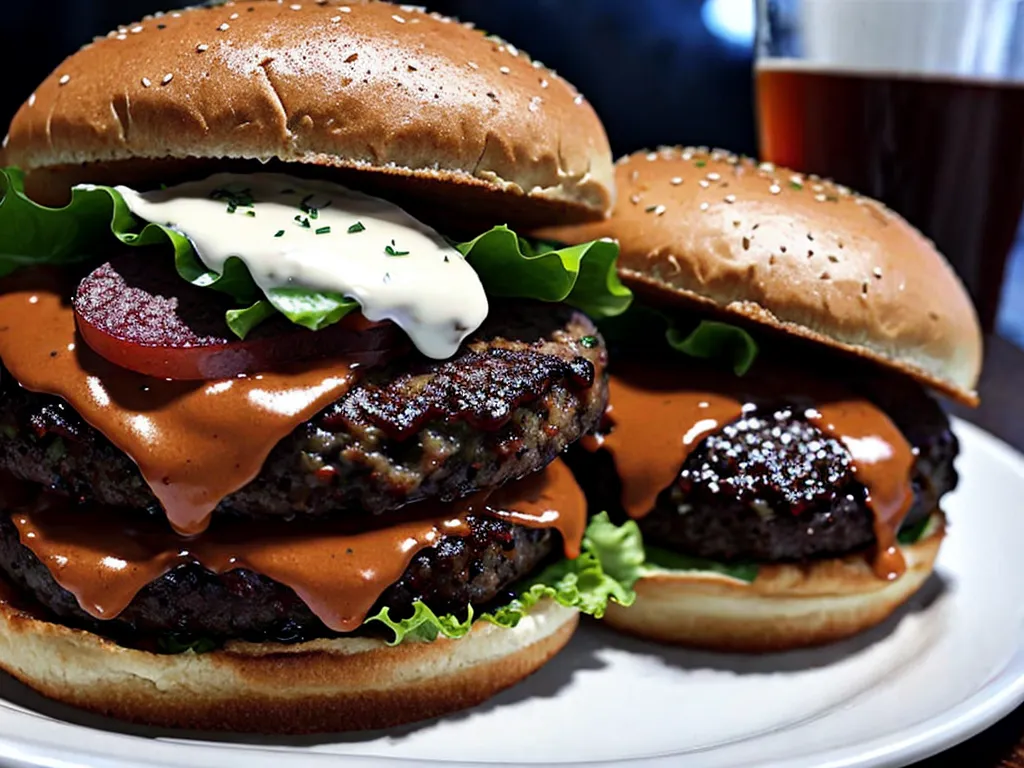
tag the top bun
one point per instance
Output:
(793, 252)
(413, 96)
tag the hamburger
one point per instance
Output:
(283, 392)
(770, 428)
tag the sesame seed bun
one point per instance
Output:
(417, 100)
(315, 687)
(787, 606)
(796, 253)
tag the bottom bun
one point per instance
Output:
(787, 606)
(314, 687)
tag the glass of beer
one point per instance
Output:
(919, 103)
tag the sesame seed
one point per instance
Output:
(675, 181)
(473, 65)
(817, 188)
(167, 79)
(634, 199)
(820, 197)
(202, 48)
(578, 100)
(512, 49)
(767, 167)
(64, 80)
(233, 16)
(877, 272)
(146, 82)
(535, 103)
(730, 199)
(398, 18)
(122, 37)
(7, 139)
(335, 19)
(659, 210)
(32, 100)
(224, 27)
(136, 29)
(295, 7)
(504, 70)
(796, 179)
(687, 155)
(176, 15)
(714, 176)
(344, 9)
(775, 189)
(704, 206)
(543, 83)
(704, 183)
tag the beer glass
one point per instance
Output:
(919, 103)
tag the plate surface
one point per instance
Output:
(950, 664)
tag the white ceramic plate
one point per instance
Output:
(946, 667)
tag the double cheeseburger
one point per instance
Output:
(770, 427)
(278, 456)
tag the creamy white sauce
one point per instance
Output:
(396, 267)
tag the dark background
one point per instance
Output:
(652, 68)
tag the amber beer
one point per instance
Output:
(947, 153)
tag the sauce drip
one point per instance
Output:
(194, 442)
(882, 462)
(337, 569)
(658, 417)
(659, 414)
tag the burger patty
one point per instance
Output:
(528, 383)
(190, 602)
(772, 487)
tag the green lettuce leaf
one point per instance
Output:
(581, 275)
(712, 340)
(31, 234)
(605, 571)
(709, 340)
(922, 529)
(660, 560)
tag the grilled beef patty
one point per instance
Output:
(526, 385)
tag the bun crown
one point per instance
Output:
(361, 85)
(793, 252)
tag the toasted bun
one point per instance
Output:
(355, 85)
(787, 606)
(796, 253)
(319, 686)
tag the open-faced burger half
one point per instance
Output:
(769, 425)
(282, 398)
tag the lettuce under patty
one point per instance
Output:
(97, 217)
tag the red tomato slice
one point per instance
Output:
(142, 316)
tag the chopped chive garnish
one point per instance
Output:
(251, 213)
(701, 163)
(650, 209)
(357, 227)
(796, 185)
(279, 233)
(323, 230)
(589, 342)
(390, 251)
(302, 221)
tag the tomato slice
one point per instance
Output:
(142, 316)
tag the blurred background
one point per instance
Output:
(657, 71)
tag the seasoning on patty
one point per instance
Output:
(284, 390)
(769, 428)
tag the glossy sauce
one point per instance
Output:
(659, 414)
(339, 569)
(324, 237)
(194, 442)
